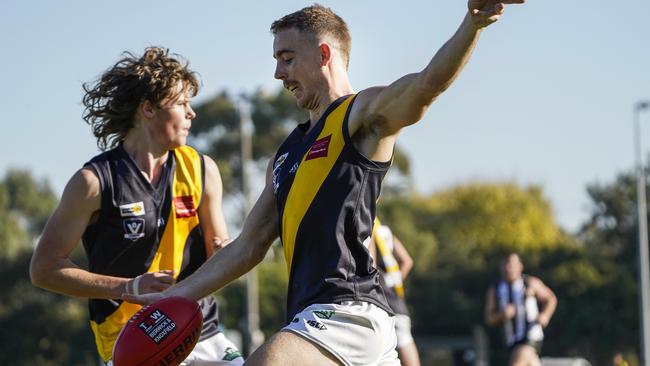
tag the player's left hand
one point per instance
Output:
(486, 12)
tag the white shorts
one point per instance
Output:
(214, 351)
(403, 330)
(355, 332)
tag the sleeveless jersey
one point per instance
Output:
(523, 326)
(141, 228)
(389, 267)
(326, 193)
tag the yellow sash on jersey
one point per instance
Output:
(309, 178)
(392, 266)
(183, 217)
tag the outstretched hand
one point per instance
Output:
(486, 12)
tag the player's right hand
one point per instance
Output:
(150, 282)
(509, 312)
(144, 299)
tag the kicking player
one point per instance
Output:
(322, 188)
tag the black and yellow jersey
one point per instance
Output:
(144, 228)
(326, 193)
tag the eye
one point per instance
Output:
(287, 61)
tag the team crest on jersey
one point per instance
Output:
(132, 209)
(276, 171)
(133, 228)
(319, 148)
(184, 206)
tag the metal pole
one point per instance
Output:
(642, 213)
(254, 336)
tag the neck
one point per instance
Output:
(149, 158)
(337, 86)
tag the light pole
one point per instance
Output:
(253, 337)
(642, 213)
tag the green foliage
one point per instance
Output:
(38, 327)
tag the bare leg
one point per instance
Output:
(408, 355)
(524, 355)
(289, 349)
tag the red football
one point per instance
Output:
(163, 333)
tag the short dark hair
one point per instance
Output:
(318, 20)
(112, 100)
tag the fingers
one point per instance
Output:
(137, 299)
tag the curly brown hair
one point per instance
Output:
(112, 100)
(318, 20)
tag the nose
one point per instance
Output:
(190, 112)
(280, 72)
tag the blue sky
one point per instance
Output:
(546, 99)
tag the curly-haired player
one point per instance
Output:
(148, 209)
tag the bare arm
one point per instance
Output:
(402, 257)
(546, 297)
(51, 267)
(494, 316)
(245, 252)
(213, 223)
(383, 111)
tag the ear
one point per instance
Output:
(146, 109)
(325, 54)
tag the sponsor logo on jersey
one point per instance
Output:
(323, 314)
(184, 206)
(133, 228)
(319, 148)
(294, 168)
(132, 209)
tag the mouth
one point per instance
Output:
(291, 87)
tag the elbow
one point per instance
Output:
(36, 274)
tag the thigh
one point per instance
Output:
(214, 351)
(289, 349)
(524, 355)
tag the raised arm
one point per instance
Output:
(245, 252)
(213, 223)
(383, 111)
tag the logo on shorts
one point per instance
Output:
(319, 148)
(323, 314)
(132, 209)
(295, 320)
(317, 325)
(184, 206)
(231, 354)
(133, 228)
(157, 326)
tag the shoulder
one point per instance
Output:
(361, 107)
(83, 189)
(212, 176)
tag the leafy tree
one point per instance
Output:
(38, 327)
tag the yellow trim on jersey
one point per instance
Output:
(187, 182)
(309, 179)
(390, 263)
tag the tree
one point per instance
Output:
(38, 327)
